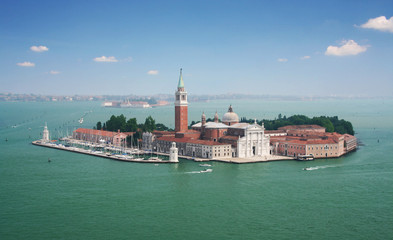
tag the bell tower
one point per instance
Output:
(181, 107)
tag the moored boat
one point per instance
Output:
(309, 157)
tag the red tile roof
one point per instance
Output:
(163, 132)
(274, 131)
(322, 138)
(97, 132)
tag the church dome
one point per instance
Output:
(230, 116)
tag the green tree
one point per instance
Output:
(99, 126)
(131, 125)
(324, 122)
(116, 123)
(150, 125)
(161, 127)
(299, 119)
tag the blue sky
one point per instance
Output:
(319, 48)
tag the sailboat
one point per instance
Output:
(152, 158)
(138, 158)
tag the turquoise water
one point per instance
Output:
(83, 197)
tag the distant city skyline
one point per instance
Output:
(310, 48)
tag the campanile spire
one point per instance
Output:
(180, 85)
(181, 106)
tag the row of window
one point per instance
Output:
(326, 148)
(309, 148)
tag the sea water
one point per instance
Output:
(76, 196)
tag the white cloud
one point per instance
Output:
(26, 64)
(152, 72)
(105, 59)
(54, 72)
(379, 23)
(39, 48)
(305, 57)
(282, 60)
(349, 47)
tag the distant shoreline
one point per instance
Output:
(17, 97)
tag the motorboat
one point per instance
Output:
(310, 168)
(309, 157)
(207, 170)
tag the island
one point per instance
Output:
(228, 139)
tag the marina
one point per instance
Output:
(118, 157)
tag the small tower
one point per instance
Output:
(181, 107)
(203, 119)
(173, 156)
(216, 117)
(45, 134)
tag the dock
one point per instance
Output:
(97, 154)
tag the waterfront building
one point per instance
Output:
(275, 133)
(101, 136)
(350, 142)
(194, 147)
(312, 140)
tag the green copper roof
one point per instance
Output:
(181, 83)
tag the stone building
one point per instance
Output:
(100, 136)
(194, 147)
(303, 140)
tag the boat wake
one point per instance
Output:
(318, 167)
(193, 172)
(203, 171)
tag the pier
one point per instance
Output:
(123, 158)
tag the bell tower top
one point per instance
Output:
(180, 85)
(181, 94)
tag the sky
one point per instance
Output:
(311, 48)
